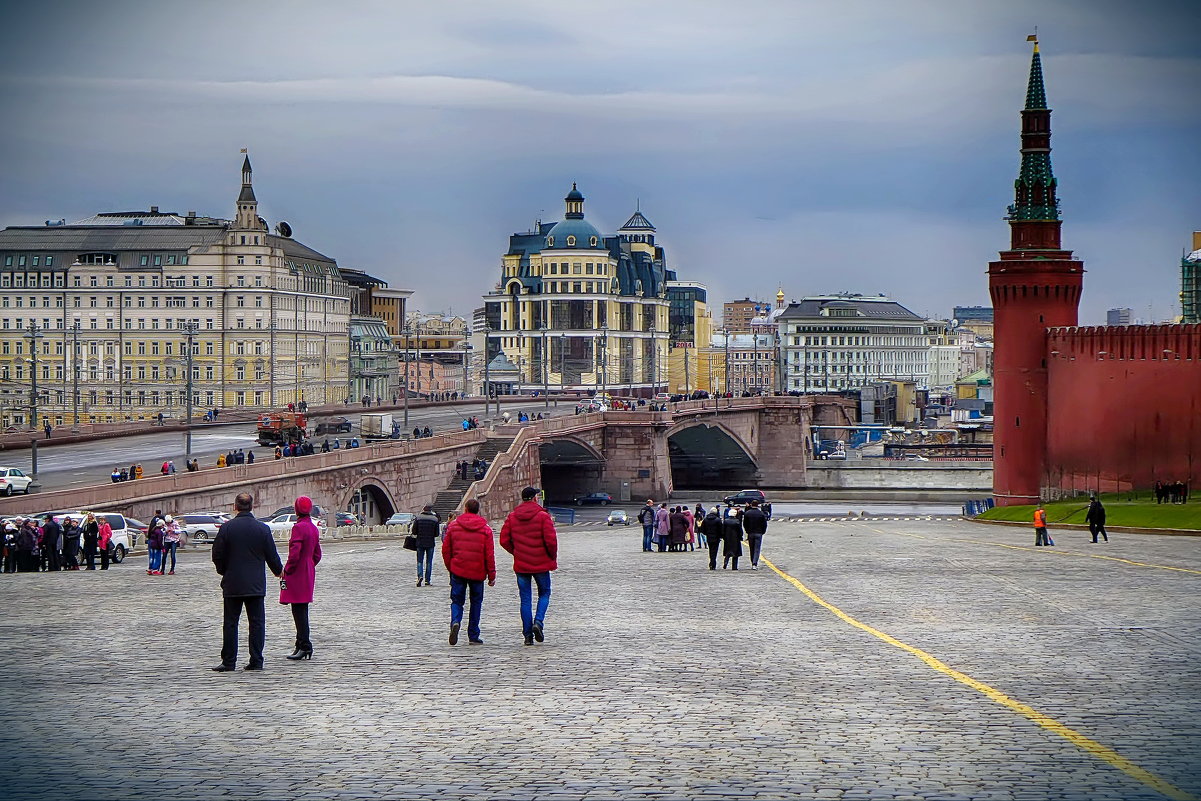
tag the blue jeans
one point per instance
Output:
(169, 548)
(756, 543)
(648, 534)
(524, 586)
(458, 591)
(156, 559)
(426, 554)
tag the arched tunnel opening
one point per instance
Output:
(568, 470)
(705, 457)
(370, 504)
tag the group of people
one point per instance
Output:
(470, 423)
(1171, 492)
(682, 529)
(164, 537)
(244, 549)
(131, 473)
(1094, 517)
(55, 545)
(304, 448)
(235, 456)
(475, 470)
(419, 433)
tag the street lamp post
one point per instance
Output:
(466, 367)
(562, 363)
(75, 376)
(726, 388)
(34, 335)
(487, 375)
(190, 327)
(545, 369)
(604, 357)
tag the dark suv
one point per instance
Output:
(744, 498)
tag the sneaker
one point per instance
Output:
(418, 582)
(529, 639)
(454, 633)
(171, 573)
(754, 567)
(538, 631)
(476, 642)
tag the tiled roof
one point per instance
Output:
(111, 237)
(810, 308)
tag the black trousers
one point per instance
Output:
(89, 555)
(53, 561)
(70, 557)
(104, 559)
(756, 543)
(1098, 528)
(715, 543)
(256, 616)
(300, 616)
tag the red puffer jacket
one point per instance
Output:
(468, 549)
(529, 534)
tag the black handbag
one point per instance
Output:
(410, 542)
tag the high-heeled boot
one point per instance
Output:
(301, 653)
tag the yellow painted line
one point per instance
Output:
(1046, 550)
(1081, 741)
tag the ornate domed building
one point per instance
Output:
(576, 310)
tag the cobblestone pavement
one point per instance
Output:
(658, 678)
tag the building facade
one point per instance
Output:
(736, 315)
(110, 303)
(374, 366)
(1119, 316)
(830, 343)
(578, 310)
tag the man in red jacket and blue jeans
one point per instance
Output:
(470, 557)
(529, 534)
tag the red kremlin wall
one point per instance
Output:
(1124, 407)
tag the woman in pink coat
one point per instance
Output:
(296, 584)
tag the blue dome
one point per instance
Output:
(582, 231)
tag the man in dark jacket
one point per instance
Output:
(241, 548)
(1095, 517)
(731, 535)
(754, 523)
(646, 516)
(52, 543)
(710, 526)
(529, 534)
(425, 527)
(470, 557)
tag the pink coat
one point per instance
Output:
(300, 573)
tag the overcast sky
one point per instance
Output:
(819, 146)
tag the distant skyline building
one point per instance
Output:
(579, 310)
(1190, 283)
(110, 303)
(1119, 316)
(965, 313)
(736, 315)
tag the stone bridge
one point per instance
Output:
(748, 442)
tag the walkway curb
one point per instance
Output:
(1170, 532)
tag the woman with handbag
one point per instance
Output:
(300, 575)
(91, 540)
(104, 539)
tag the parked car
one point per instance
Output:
(333, 425)
(201, 527)
(616, 517)
(318, 512)
(13, 480)
(594, 498)
(283, 524)
(744, 498)
(662, 397)
(347, 519)
(125, 537)
(400, 519)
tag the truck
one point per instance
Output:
(281, 428)
(376, 425)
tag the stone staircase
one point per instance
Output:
(449, 499)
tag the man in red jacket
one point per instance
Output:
(529, 534)
(470, 557)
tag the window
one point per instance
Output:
(258, 279)
(158, 260)
(241, 260)
(36, 259)
(171, 259)
(577, 269)
(592, 241)
(588, 268)
(570, 241)
(258, 260)
(144, 261)
(241, 278)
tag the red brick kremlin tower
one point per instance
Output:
(1034, 286)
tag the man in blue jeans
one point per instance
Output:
(646, 516)
(529, 534)
(425, 527)
(468, 552)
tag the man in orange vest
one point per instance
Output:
(1041, 537)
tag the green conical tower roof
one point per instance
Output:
(1036, 93)
(1035, 187)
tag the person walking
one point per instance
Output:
(711, 531)
(470, 557)
(71, 534)
(754, 523)
(529, 534)
(1041, 537)
(300, 575)
(425, 527)
(731, 535)
(242, 548)
(52, 544)
(91, 540)
(1095, 517)
(662, 527)
(172, 534)
(646, 516)
(104, 539)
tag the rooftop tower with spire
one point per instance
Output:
(1034, 285)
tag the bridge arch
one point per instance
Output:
(370, 500)
(569, 467)
(706, 454)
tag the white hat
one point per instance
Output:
(169, 518)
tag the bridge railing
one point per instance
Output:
(114, 495)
